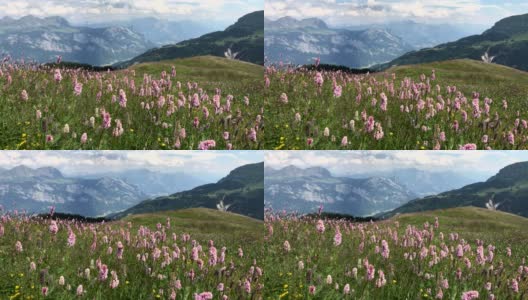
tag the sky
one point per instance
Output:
(85, 11)
(361, 12)
(74, 163)
(478, 164)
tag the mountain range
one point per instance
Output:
(507, 41)
(160, 31)
(507, 190)
(154, 183)
(422, 182)
(43, 39)
(35, 190)
(299, 41)
(241, 191)
(245, 37)
(303, 190)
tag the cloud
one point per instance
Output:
(214, 163)
(357, 12)
(358, 162)
(78, 11)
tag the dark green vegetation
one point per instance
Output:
(74, 65)
(508, 189)
(242, 190)
(507, 41)
(245, 37)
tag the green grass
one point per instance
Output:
(156, 128)
(319, 109)
(419, 278)
(148, 279)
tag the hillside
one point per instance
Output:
(474, 223)
(508, 189)
(241, 190)
(490, 80)
(507, 40)
(245, 37)
(204, 224)
(207, 69)
(43, 39)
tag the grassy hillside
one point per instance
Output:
(242, 190)
(441, 105)
(476, 223)
(508, 189)
(204, 224)
(245, 37)
(205, 69)
(493, 80)
(507, 41)
(444, 254)
(174, 255)
(39, 110)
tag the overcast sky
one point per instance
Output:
(356, 12)
(81, 11)
(210, 163)
(471, 163)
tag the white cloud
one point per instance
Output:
(210, 163)
(357, 162)
(78, 11)
(356, 12)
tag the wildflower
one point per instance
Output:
(18, 247)
(470, 295)
(80, 290)
(346, 289)
(24, 95)
(286, 246)
(468, 147)
(337, 237)
(284, 98)
(122, 98)
(344, 141)
(71, 239)
(77, 90)
(84, 138)
(53, 228)
(320, 226)
(514, 285)
(205, 145)
(311, 289)
(44, 291)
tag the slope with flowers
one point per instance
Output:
(443, 105)
(461, 253)
(170, 255)
(195, 103)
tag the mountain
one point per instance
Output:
(424, 182)
(507, 40)
(161, 31)
(36, 189)
(245, 37)
(242, 190)
(421, 35)
(508, 188)
(43, 39)
(300, 41)
(304, 190)
(156, 183)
